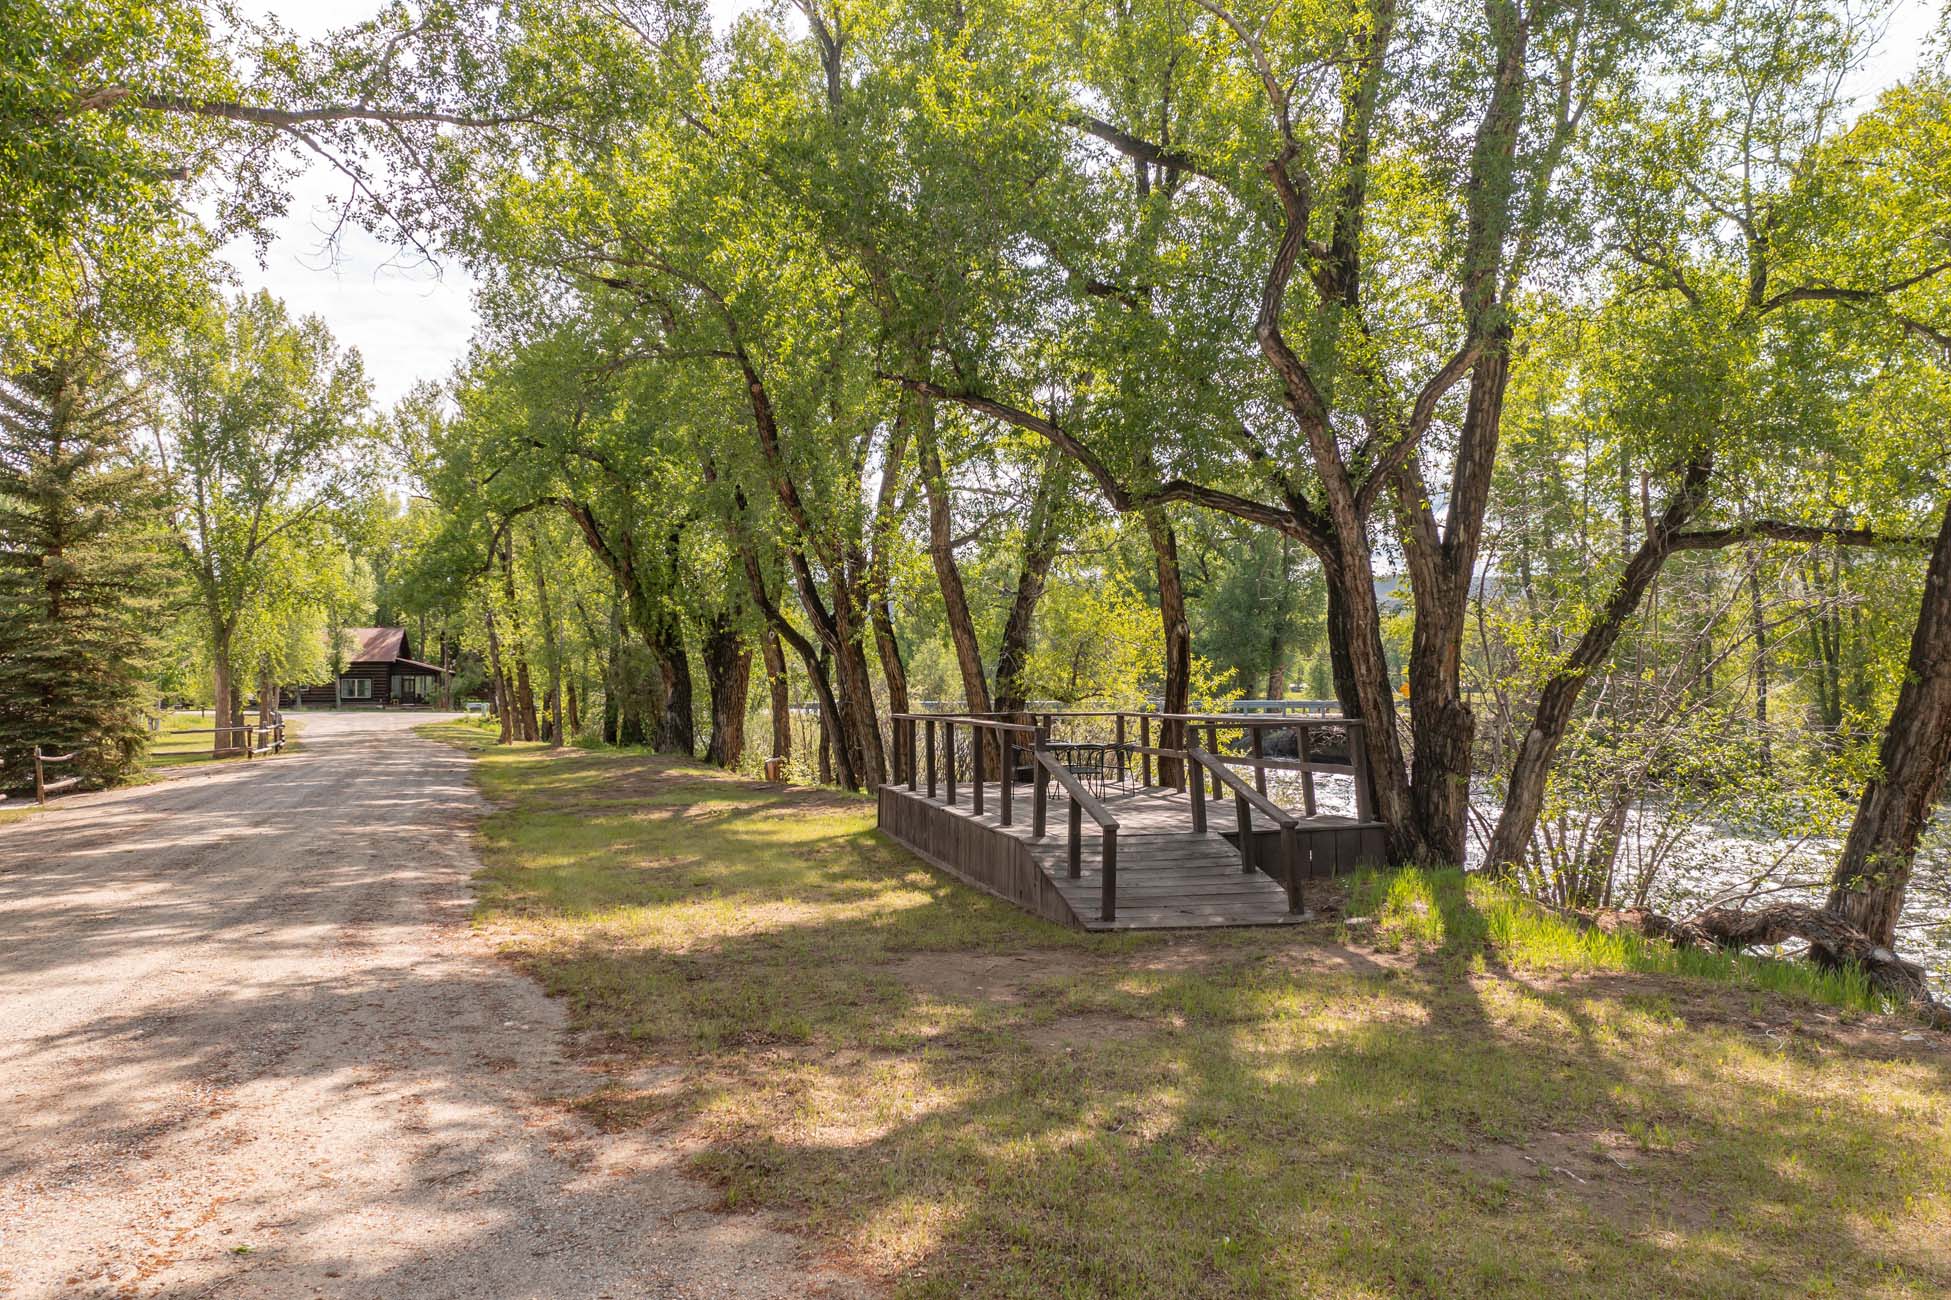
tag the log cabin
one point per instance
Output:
(380, 672)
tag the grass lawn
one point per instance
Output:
(1448, 1095)
(178, 745)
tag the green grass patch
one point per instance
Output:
(963, 1100)
(1467, 917)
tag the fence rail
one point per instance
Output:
(44, 787)
(259, 738)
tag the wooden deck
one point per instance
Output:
(1168, 875)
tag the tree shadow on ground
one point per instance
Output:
(1221, 1124)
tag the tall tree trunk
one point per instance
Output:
(267, 698)
(1178, 640)
(1758, 613)
(1525, 793)
(1040, 539)
(813, 659)
(523, 697)
(1868, 885)
(1441, 566)
(498, 679)
(1276, 668)
(780, 695)
(552, 651)
(728, 672)
(828, 750)
(879, 578)
(525, 702)
(222, 742)
(948, 574)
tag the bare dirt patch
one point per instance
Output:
(1086, 1030)
(1002, 979)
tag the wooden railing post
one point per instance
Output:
(1304, 747)
(40, 779)
(1076, 839)
(1108, 911)
(1290, 866)
(976, 747)
(948, 761)
(1257, 746)
(1244, 815)
(1212, 747)
(1145, 746)
(914, 759)
(1039, 794)
(250, 740)
(1006, 779)
(1198, 789)
(931, 757)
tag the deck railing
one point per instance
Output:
(1007, 742)
(1116, 729)
(1081, 801)
(1246, 802)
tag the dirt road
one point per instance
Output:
(250, 1047)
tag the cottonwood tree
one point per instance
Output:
(1745, 225)
(262, 434)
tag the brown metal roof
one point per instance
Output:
(374, 644)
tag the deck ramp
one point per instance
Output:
(1166, 880)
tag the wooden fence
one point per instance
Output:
(259, 738)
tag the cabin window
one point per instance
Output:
(355, 688)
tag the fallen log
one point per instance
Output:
(1832, 942)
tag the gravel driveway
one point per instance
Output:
(250, 1047)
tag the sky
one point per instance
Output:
(412, 321)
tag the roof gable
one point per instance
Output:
(375, 644)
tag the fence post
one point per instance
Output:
(1109, 910)
(1198, 791)
(1212, 747)
(1304, 747)
(948, 760)
(1039, 794)
(1290, 855)
(913, 775)
(975, 770)
(1258, 747)
(40, 779)
(930, 725)
(1243, 814)
(1076, 838)
(250, 740)
(1145, 744)
(1121, 751)
(1006, 779)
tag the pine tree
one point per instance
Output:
(80, 565)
